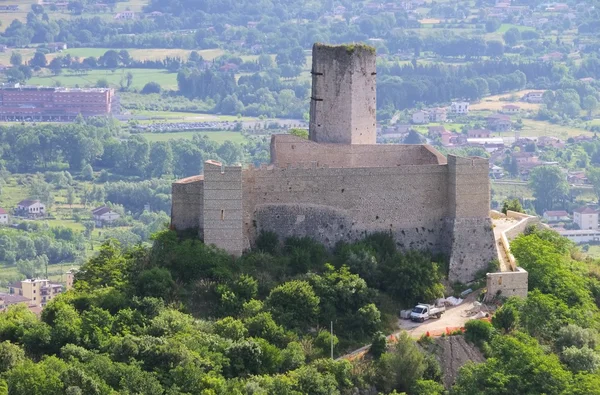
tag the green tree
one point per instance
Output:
(161, 159)
(506, 317)
(549, 187)
(265, 61)
(590, 104)
(478, 332)
(593, 176)
(512, 36)
(102, 83)
(231, 328)
(378, 345)
(582, 359)
(512, 205)
(294, 304)
(70, 196)
(87, 173)
(302, 133)
(151, 87)
(11, 355)
(16, 59)
(402, 367)
(56, 65)
(38, 60)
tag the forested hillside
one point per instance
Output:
(183, 318)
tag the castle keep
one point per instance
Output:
(341, 185)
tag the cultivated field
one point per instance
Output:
(141, 77)
(495, 103)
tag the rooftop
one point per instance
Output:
(13, 299)
(582, 232)
(2, 211)
(101, 210)
(27, 202)
(585, 210)
(18, 87)
(560, 213)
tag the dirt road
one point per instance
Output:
(454, 317)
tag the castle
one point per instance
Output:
(340, 185)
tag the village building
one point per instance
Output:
(489, 144)
(534, 97)
(557, 215)
(37, 291)
(581, 236)
(479, 133)
(420, 117)
(550, 142)
(586, 218)
(511, 109)
(577, 178)
(499, 122)
(438, 114)
(125, 16)
(104, 216)
(55, 47)
(496, 172)
(30, 208)
(459, 107)
(3, 217)
(7, 300)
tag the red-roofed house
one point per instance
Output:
(586, 217)
(511, 109)
(104, 215)
(3, 217)
(560, 215)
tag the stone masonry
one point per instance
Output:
(340, 185)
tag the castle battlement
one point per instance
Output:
(341, 186)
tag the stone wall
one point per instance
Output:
(332, 204)
(507, 284)
(287, 149)
(468, 187)
(187, 204)
(471, 247)
(223, 207)
(342, 107)
(525, 221)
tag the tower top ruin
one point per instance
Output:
(342, 106)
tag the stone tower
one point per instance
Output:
(342, 106)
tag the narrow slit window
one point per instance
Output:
(222, 215)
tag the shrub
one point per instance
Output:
(378, 345)
(267, 242)
(151, 87)
(478, 332)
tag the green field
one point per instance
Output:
(141, 54)
(593, 252)
(533, 128)
(140, 78)
(190, 116)
(506, 26)
(218, 137)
